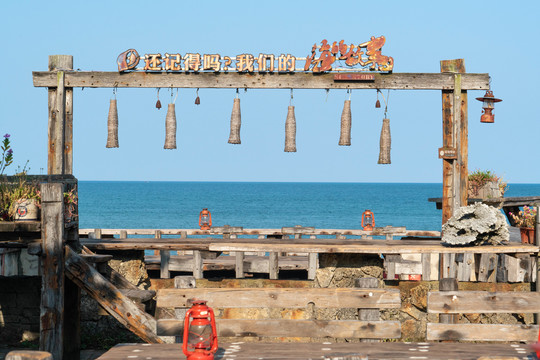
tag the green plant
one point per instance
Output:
(479, 178)
(71, 202)
(15, 189)
(7, 154)
(525, 218)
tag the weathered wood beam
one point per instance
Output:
(482, 332)
(52, 262)
(293, 328)
(282, 297)
(110, 298)
(457, 302)
(403, 81)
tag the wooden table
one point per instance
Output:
(326, 350)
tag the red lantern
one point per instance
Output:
(488, 99)
(205, 219)
(200, 337)
(368, 220)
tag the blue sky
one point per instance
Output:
(498, 39)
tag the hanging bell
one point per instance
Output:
(170, 128)
(236, 122)
(378, 104)
(290, 131)
(197, 101)
(346, 119)
(385, 143)
(158, 104)
(112, 125)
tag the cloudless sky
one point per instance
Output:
(499, 38)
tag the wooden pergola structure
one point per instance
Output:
(60, 79)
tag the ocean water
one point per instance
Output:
(139, 205)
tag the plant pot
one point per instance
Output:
(527, 235)
(25, 210)
(489, 190)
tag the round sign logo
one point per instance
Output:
(22, 211)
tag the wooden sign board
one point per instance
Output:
(447, 153)
(354, 77)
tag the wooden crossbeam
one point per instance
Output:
(482, 332)
(281, 298)
(452, 302)
(293, 328)
(110, 298)
(403, 81)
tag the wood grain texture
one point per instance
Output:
(110, 298)
(404, 81)
(281, 298)
(482, 332)
(52, 269)
(293, 328)
(453, 302)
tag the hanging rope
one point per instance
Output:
(290, 128)
(170, 124)
(112, 123)
(236, 122)
(346, 120)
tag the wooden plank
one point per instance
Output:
(197, 264)
(447, 285)
(380, 247)
(299, 80)
(368, 314)
(110, 298)
(313, 265)
(284, 297)
(273, 265)
(52, 269)
(28, 355)
(293, 328)
(455, 302)
(482, 332)
(487, 271)
(239, 264)
(465, 267)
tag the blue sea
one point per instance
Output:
(162, 205)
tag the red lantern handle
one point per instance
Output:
(209, 218)
(186, 333)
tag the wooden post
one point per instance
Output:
(60, 158)
(537, 238)
(313, 265)
(273, 266)
(52, 280)
(165, 257)
(368, 314)
(197, 264)
(448, 284)
(455, 135)
(239, 264)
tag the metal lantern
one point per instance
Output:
(487, 107)
(368, 220)
(205, 219)
(200, 336)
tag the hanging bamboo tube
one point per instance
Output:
(170, 128)
(236, 122)
(346, 119)
(385, 143)
(112, 125)
(290, 131)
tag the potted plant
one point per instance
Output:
(526, 220)
(484, 184)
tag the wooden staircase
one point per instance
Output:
(112, 291)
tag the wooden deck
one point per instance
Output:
(327, 350)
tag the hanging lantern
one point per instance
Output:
(487, 107)
(385, 143)
(236, 122)
(200, 336)
(205, 219)
(112, 125)
(346, 119)
(170, 128)
(368, 220)
(290, 130)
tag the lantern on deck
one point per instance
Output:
(205, 219)
(487, 107)
(368, 220)
(200, 336)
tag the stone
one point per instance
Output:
(476, 224)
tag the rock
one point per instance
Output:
(476, 224)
